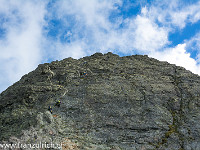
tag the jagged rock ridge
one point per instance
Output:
(132, 102)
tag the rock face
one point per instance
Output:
(129, 103)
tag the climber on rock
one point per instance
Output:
(83, 74)
(58, 103)
(50, 109)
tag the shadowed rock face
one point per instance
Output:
(131, 103)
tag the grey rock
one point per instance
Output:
(132, 103)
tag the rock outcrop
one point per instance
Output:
(129, 103)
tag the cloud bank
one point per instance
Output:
(33, 32)
(21, 33)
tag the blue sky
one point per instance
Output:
(39, 31)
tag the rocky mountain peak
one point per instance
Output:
(104, 101)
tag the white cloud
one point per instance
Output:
(148, 35)
(175, 13)
(169, 15)
(193, 45)
(90, 27)
(75, 50)
(178, 56)
(141, 33)
(98, 33)
(194, 42)
(87, 27)
(20, 47)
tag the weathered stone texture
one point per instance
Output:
(130, 103)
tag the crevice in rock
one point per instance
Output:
(179, 113)
(177, 116)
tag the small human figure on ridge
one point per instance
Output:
(50, 109)
(58, 103)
